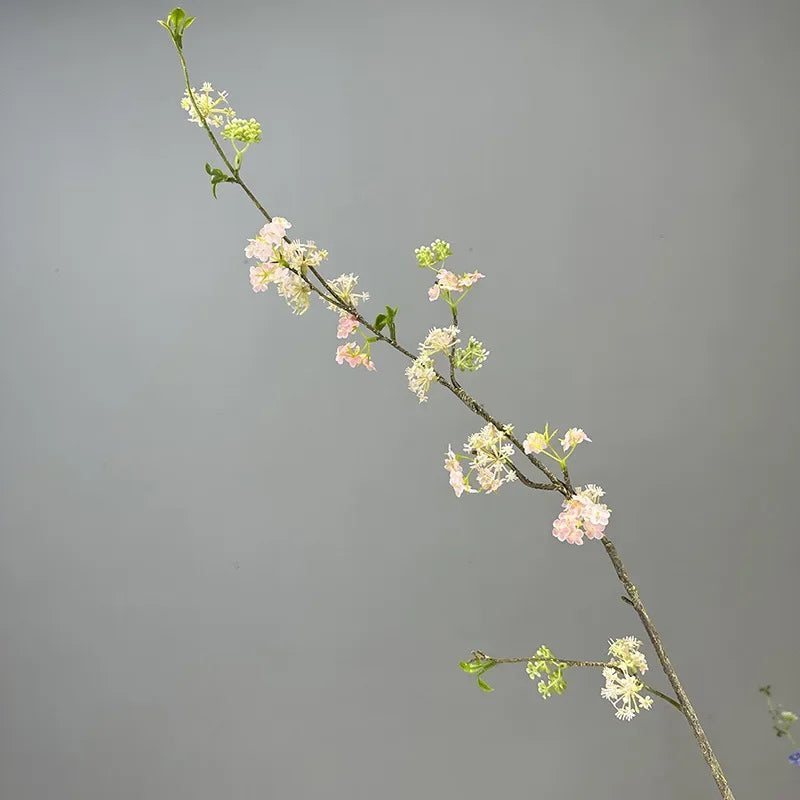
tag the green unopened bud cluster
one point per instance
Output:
(546, 667)
(243, 130)
(428, 256)
(471, 357)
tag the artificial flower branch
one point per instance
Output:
(582, 515)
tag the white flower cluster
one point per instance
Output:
(490, 458)
(421, 372)
(623, 688)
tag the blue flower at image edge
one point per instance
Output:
(795, 758)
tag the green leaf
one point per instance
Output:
(189, 21)
(176, 16)
(390, 315)
(208, 168)
(484, 686)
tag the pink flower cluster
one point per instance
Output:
(582, 514)
(573, 438)
(347, 324)
(351, 353)
(262, 275)
(271, 235)
(453, 283)
(457, 479)
(266, 248)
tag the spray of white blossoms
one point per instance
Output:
(421, 373)
(489, 458)
(214, 111)
(623, 688)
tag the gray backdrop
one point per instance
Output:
(234, 569)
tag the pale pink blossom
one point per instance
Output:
(347, 324)
(469, 279)
(447, 280)
(593, 531)
(270, 235)
(351, 353)
(273, 232)
(262, 276)
(534, 443)
(574, 436)
(277, 228)
(457, 480)
(566, 529)
(259, 249)
(582, 516)
(490, 480)
(451, 462)
(452, 283)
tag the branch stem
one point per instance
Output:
(672, 676)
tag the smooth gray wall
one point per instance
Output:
(233, 569)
